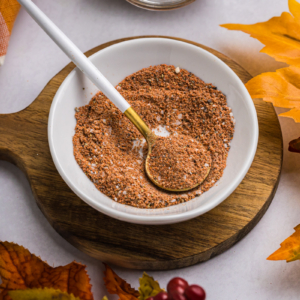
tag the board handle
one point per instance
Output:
(7, 140)
(19, 134)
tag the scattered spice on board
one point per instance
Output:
(178, 162)
(112, 152)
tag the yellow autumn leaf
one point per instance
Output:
(290, 248)
(282, 88)
(41, 294)
(148, 287)
(280, 35)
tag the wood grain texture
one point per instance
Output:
(23, 141)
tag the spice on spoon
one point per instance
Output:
(178, 162)
(112, 152)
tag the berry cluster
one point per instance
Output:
(179, 289)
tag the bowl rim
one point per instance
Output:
(157, 219)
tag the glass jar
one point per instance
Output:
(160, 4)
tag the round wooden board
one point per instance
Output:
(23, 141)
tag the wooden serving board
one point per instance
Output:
(23, 141)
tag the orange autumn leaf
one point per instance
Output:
(282, 88)
(116, 285)
(280, 35)
(290, 248)
(20, 270)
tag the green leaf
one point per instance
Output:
(40, 294)
(148, 287)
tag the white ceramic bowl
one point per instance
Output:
(120, 60)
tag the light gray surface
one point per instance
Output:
(241, 272)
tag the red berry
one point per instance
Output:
(150, 298)
(177, 296)
(177, 282)
(194, 292)
(177, 289)
(162, 296)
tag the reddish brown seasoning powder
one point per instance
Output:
(178, 162)
(112, 152)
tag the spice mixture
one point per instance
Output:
(112, 152)
(178, 162)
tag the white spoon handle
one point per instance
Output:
(79, 59)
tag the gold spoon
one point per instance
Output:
(151, 139)
(91, 71)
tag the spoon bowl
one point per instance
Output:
(151, 139)
(182, 184)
